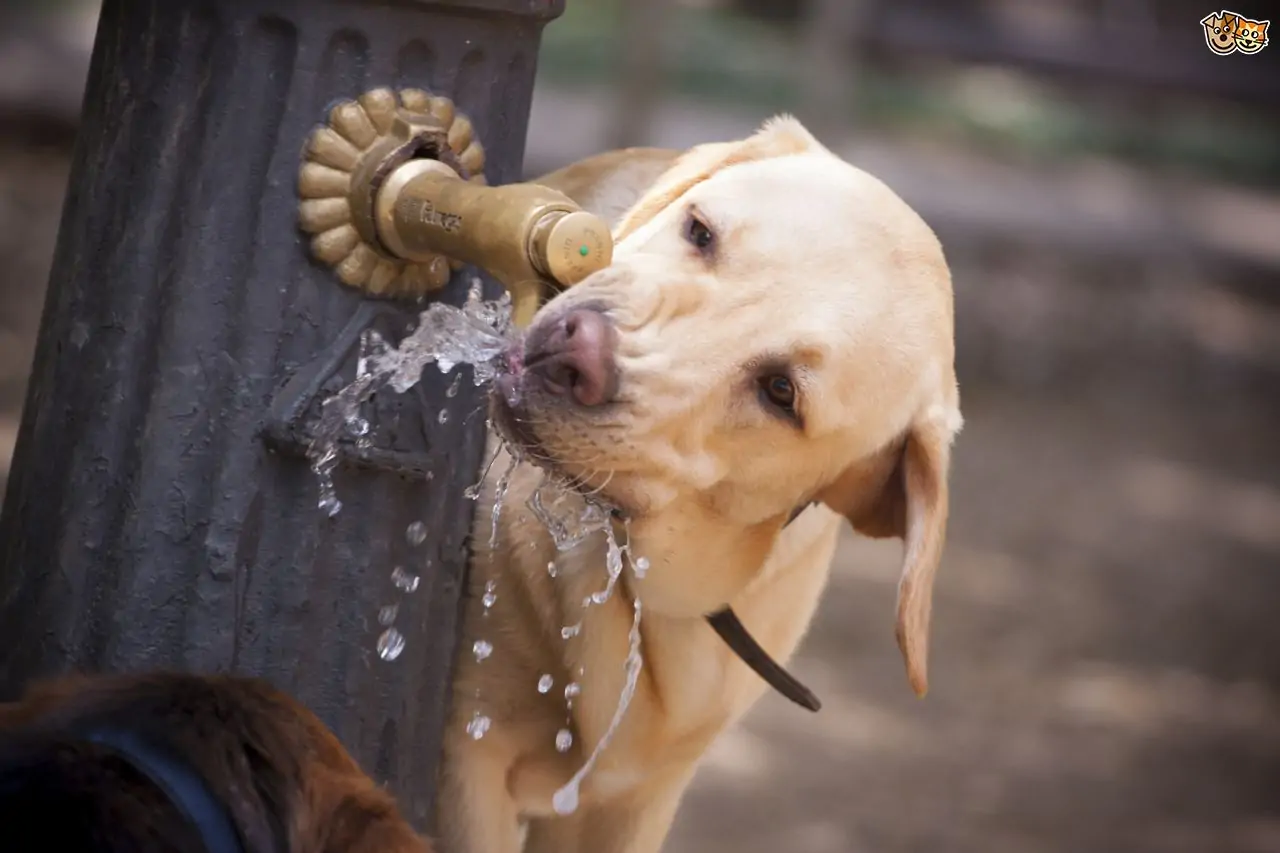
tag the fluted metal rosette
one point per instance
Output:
(344, 162)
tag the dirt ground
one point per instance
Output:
(1106, 664)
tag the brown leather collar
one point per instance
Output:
(726, 623)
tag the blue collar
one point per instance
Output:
(186, 789)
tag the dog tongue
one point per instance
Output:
(726, 623)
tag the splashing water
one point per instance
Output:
(571, 518)
(475, 334)
(565, 800)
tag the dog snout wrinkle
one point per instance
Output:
(573, 356)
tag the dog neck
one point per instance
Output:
(725, 622)
(184, 787)
(730, 628)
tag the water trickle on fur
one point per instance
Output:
(490, 596)
(545, 683)
(565, 800)
(564, 740)
(500, 497)
(569, 517)
(473, 491)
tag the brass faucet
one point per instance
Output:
(393, 193)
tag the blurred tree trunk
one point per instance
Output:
(641, 25)
(827, 75)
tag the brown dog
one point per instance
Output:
(183, 763)
(769, 357)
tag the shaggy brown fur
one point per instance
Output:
(286, 781)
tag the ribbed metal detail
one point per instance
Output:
(146, 523)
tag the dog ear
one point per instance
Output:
(901, 492)
(779, 137)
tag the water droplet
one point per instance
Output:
(572, 689)
(443, 417)
(481, 649)
(357, 425)
(387, 614)
(404, 581)
(569, 631)
(490, 596)
(640, 566)
(390, 644)
(551, 568)
(545, 683)
(565, 800)
(452, 390)
(329, 504)
(416, 533)
(564, 740)
(479, 726)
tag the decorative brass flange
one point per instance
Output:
(393, 191)
(345, 163)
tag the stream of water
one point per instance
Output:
(477, 334)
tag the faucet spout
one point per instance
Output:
(393, 191)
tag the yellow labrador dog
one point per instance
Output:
(769, 356)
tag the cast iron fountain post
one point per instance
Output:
(148, 522)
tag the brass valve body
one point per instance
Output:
(393, 192)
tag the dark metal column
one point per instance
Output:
(147, 522)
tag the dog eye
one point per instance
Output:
(780, 391)
(698, 234)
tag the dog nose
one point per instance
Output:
(575, 357)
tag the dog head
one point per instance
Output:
(1220, 32)
(776, 328)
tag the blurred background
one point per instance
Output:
(1106, 665)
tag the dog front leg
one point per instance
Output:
(632, 823)
(476, 812)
